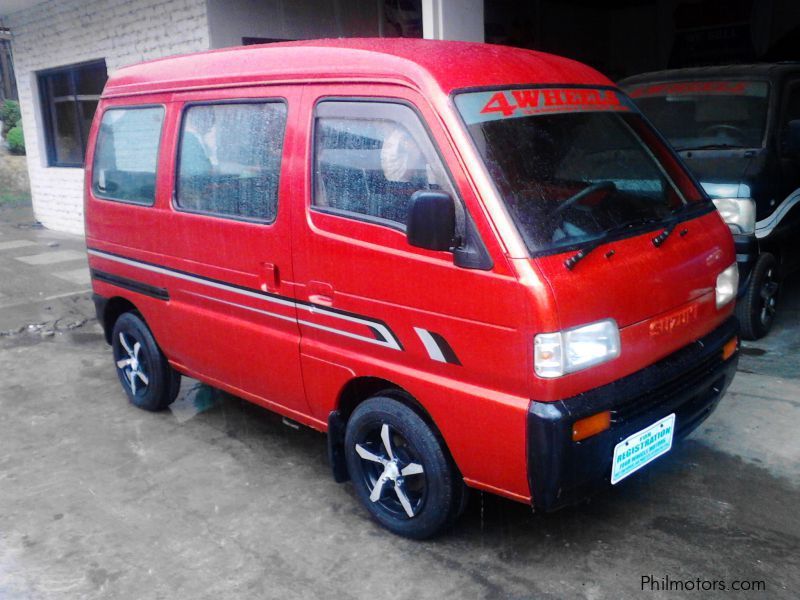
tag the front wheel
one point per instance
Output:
(400, 469)
(756, 309)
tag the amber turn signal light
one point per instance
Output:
(591, 426)
(729, 349)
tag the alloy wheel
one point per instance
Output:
(133, 363)
(393, 472)
(769, 297)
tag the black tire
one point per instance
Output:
(435, 495)
(142, 368)
(756, 309)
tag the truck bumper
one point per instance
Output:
(689, 383)
(746, 256)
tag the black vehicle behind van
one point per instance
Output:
(738, 130)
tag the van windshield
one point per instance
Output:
(574, 165)
(698, 115)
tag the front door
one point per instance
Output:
(367, 299)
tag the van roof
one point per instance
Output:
(425, 64)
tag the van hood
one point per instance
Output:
(719, 166)
(631, 280)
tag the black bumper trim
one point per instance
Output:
(689, 383)
(747, 252)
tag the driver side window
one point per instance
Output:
(370, 158)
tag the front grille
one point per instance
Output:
(668, 390)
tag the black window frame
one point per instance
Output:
(791, 86)
(47, 102)
(366, 218)
(100, 195)
(177, 158)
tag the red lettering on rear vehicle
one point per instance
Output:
(733, 88)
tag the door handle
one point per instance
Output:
(320, 293)
(320, 300)
(270, 277)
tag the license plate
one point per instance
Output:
(641, 448)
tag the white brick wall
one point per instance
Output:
(63, 32)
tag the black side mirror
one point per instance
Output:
(793, 138)
(431, 222)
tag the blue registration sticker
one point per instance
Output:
(643, 447)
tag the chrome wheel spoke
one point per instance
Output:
(132, 380)
(387, 441)
(404, 501)
(367, 455)
(136, 347)
(143, 377)
(412, 469)
(378, 489)
(125, 345)
(124, 362)
(384, 471)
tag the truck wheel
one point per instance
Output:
(400, 469)
(143, 370)
(756, 309)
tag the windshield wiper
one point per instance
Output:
(671, 223)
(711, 147)
(581, 254)
(611, 231)
(675, 218)
(662, 237)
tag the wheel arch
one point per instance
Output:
(111, 310)
(355, 392)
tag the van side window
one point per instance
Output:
(127, 153)
(370, 157)
(230, 158)
(793, 103)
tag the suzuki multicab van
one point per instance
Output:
(737, 128)
(471, 266)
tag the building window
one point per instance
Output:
(126, 155)
(230, 159)
(69, 98)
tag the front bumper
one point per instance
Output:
(746, 256)
(689, 383)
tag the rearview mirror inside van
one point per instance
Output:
(431, 220)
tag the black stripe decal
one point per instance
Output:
(392, 340)
(131, 284)
(445, 348)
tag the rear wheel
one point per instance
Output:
(756, 309)
(400, 469)
(142, 368)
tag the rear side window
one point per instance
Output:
(126, 155)
(370, 158)
(229, 159)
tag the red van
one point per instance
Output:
(472, 266)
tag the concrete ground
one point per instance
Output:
(218, 499)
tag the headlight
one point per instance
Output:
(738, 213)
(727, 285)
(574, 349)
